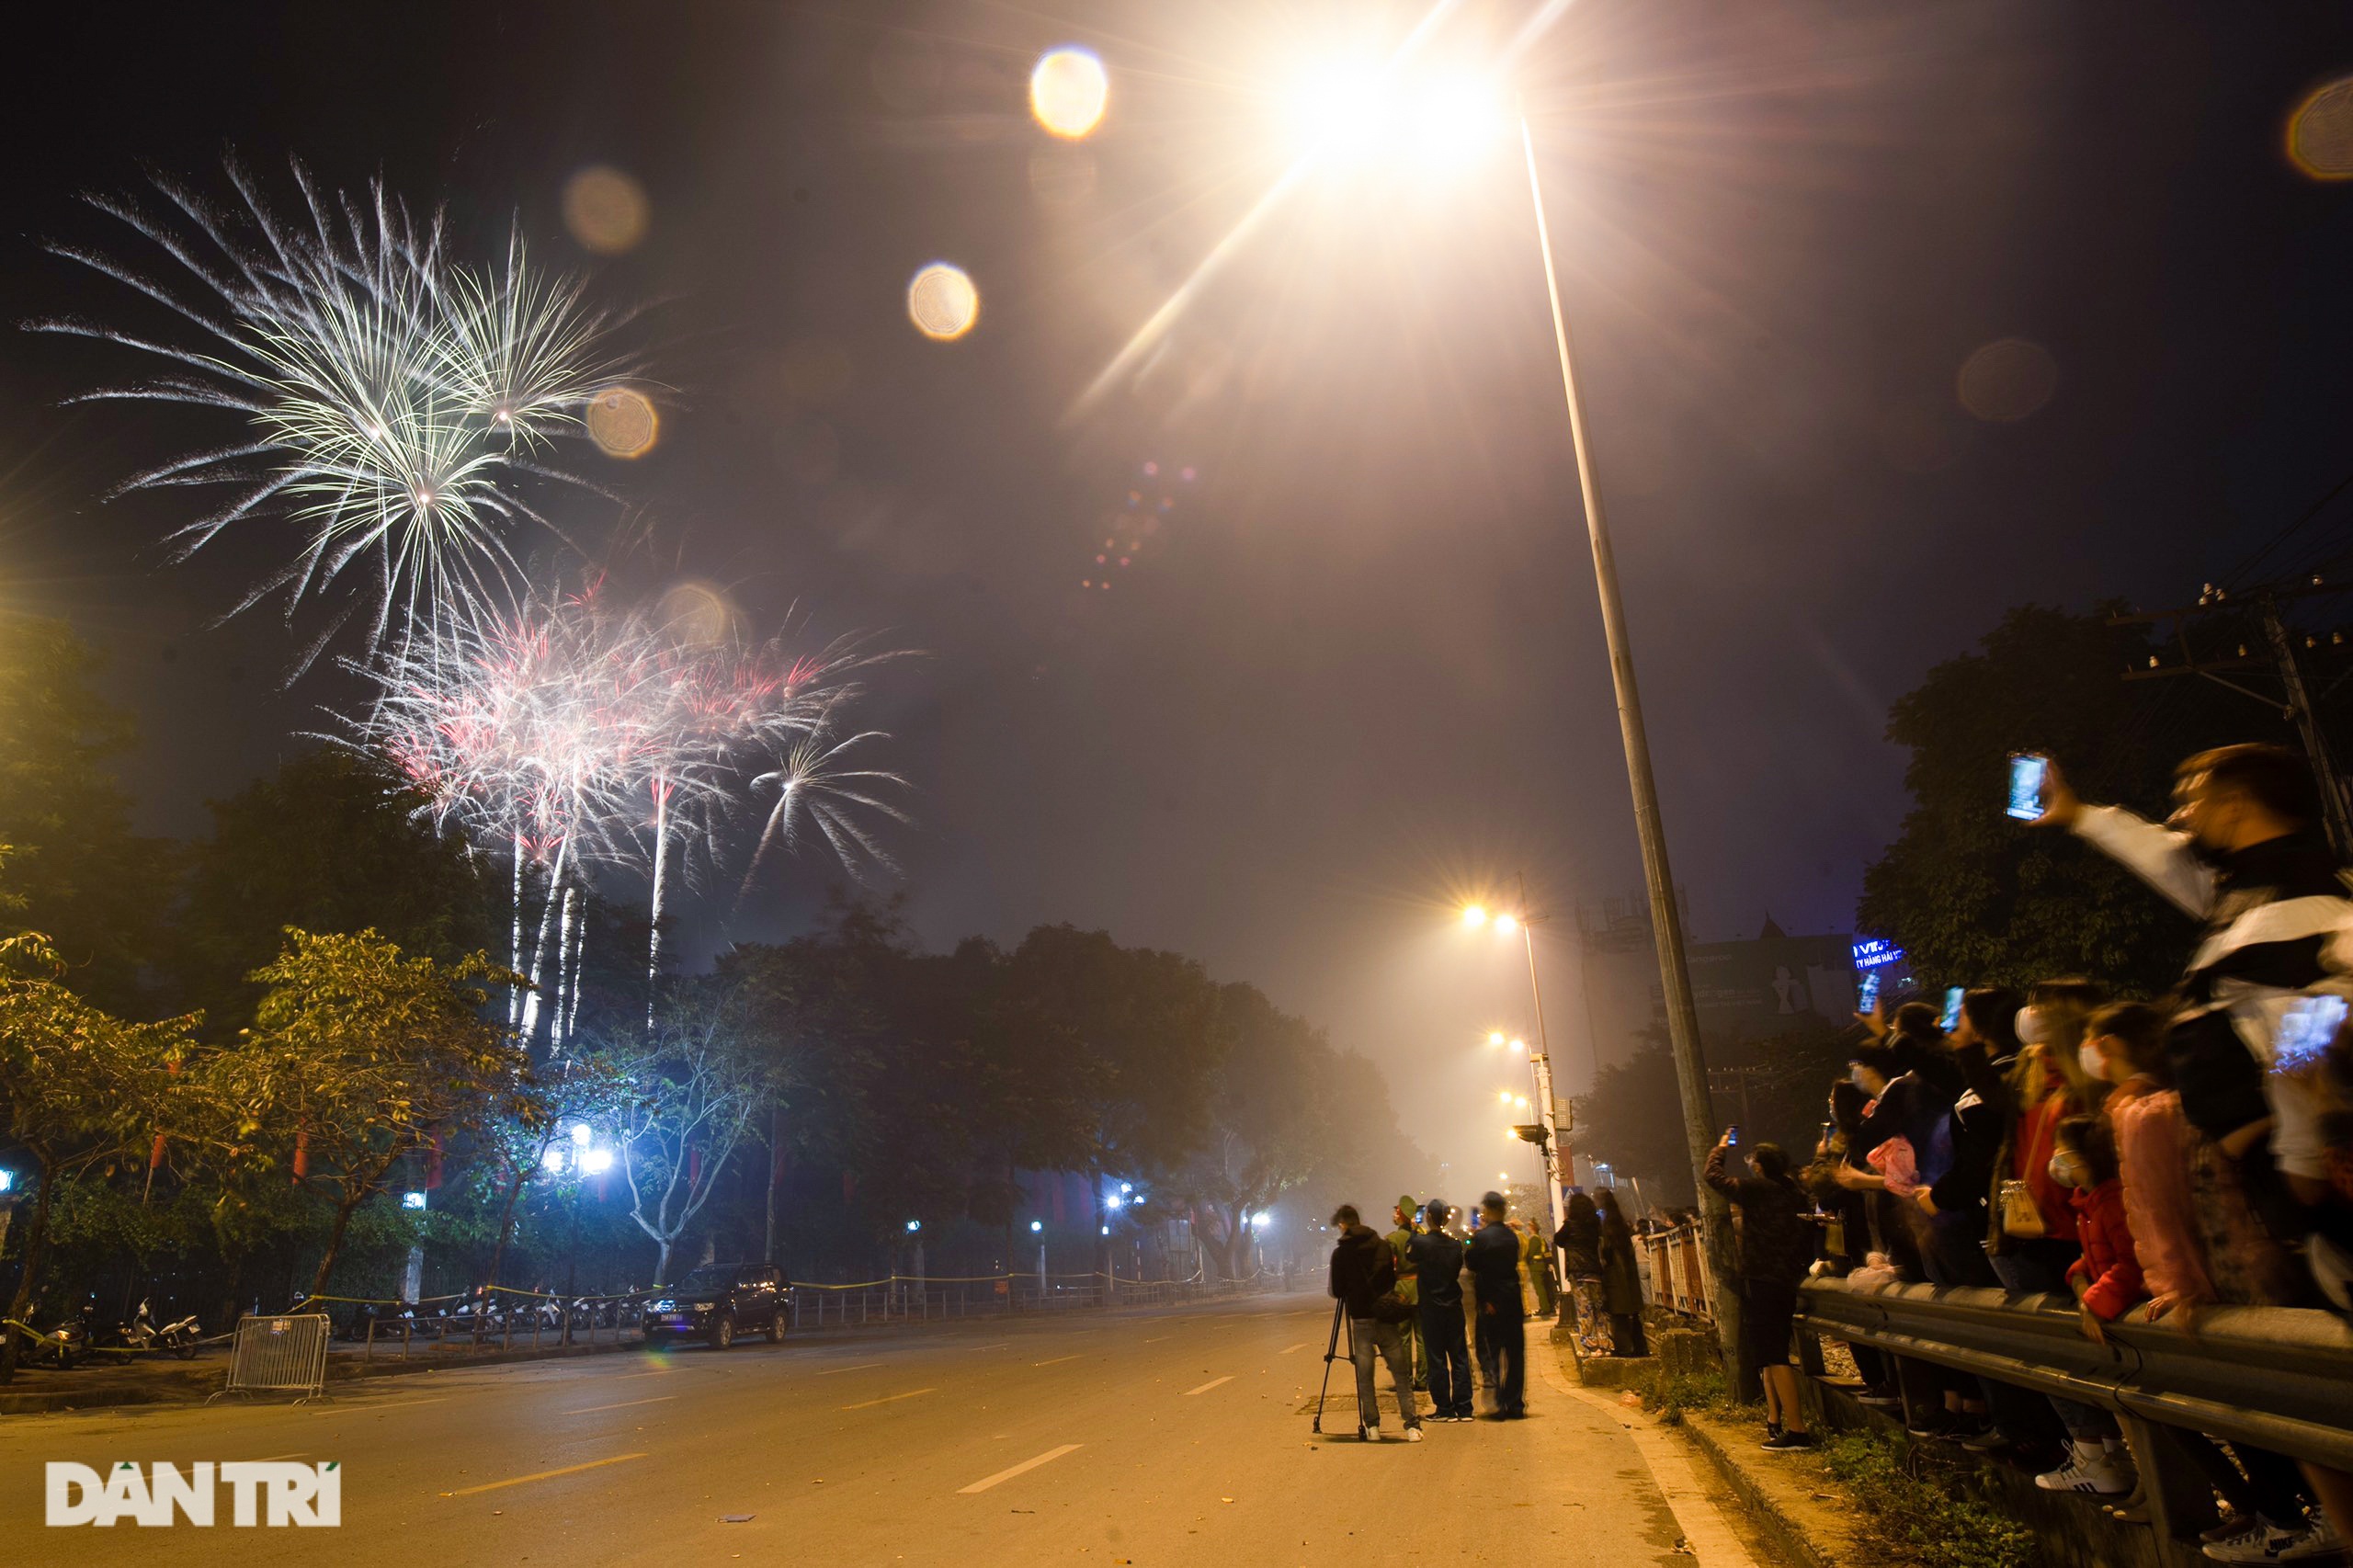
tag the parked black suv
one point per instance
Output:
(720, 1301)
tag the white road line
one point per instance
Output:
(1059, 1360)
(625, 1404)
(1712, 1542)
(1288, 1348)
(837, 1372)
(886, 1399)
(1048, 1457)
(295, 1455)
(1000, 1344)
(1211, 1384)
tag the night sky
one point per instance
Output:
(1355, 675)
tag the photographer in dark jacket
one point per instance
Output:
(1492, 1256)
(1364, 1271)
(1776, 1244)
(1438, 1264)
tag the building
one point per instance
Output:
(1745, 991)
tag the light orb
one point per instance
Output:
(942, 302)
(1068, 91)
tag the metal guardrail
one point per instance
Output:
(901, 1298)
(278, 1354)
(2278, 1378)
(1679, 1281)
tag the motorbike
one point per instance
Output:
(141, 1333)
(68, 1344)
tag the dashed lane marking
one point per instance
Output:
(1048, 1457)
(1211, 1384)
(624, 1404)
(888, 1398)
(541, 1475)
(1059, 1360)
(837, 1372)
(1288, 1348)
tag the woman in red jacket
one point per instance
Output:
(2106, 1280)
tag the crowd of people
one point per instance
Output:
(2146, 1158)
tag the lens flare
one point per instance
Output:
(1068, 91)
(942, 303)
(605, 210)
(622, 422)
(2007, 380)
(2320, 132)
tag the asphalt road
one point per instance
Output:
(1150, 1436)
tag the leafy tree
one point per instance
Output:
(695, 1085)
(360, 1056)
(1978, 899)
(1632, 1121)
(331, 844)
(537, 1117)
(79, 1090)
(86, 881)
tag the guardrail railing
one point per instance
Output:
(1678, 1271)
(2278, 1378)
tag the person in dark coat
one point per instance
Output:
(1622, 1279)
(1580, 1246)
(1775, 1247)
(1493, 1256)
(1363, 1271)
(1437, 1263)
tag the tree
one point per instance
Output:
(331, 844)
(360, 1056)
(1632, 1121)
(1977, 899)
(79, 1090)
(537, 1117)
(694, 1086)
(85, 880)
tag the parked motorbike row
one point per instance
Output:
(82, 1336)
(481, 1313)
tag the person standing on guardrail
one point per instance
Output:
(1774, 1247)
(1438, 1266)
(1363, 1274)
(1493, 1259)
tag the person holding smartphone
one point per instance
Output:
(1776, 1246)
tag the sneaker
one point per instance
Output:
(1989, 1440)
(1772, 1430)
(1931, 1423)
(1369, 1431)
(1412, 1434)
(1879, 1396)
(2256, 1540)
(2318, 1544)
(1787, 1442)
(2098, 1479)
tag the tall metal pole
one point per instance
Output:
(1543, 1066)
(2334, 817)
(1666, 921)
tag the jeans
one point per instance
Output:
(1450, 1357)
(1366, 1337)
(2040, 1265)
(1507, 1348)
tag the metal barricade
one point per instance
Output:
(279, 1354)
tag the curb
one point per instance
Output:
(1792, 1539)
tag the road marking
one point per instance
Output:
(542, 1475)
(657, 1372)
(861, 1367)
(998, 1346)
(887, 1398)
(1048, 1457)
(625, 1404)
(1288, 1348)
(408, 1404)
(1211, 1384)
(1158, 1337)
(295, 1455)
(1060, 1360)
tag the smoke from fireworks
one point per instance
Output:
(391, 398)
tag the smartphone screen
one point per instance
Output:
(2027, 772)
(1732, 1136)
(1950, 1019)
(2306, 1031)
(1867, 994)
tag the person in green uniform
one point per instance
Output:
(1401, 1241)
(1536, 1262)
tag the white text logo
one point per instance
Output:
(275, 1493)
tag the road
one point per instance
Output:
(1149, 1436)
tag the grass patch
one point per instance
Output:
(1670, 1394)
(1925, 1508)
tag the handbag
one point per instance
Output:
(2021, 1217)
(1390, 1308)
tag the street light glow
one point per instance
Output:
(1355, 110)
(597, 1162)
(1520, 1045)
(1342, 109)
(1474, 915)
(1495, 1037)
(1037, 1225)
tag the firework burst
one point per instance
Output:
(391, 399)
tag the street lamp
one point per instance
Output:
(1539, 1062)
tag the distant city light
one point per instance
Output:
(1037, 1225)
(597, 1162)
(915, 1226)
(408, 1200)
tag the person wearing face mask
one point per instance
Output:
(2104, 1280)
(2032, 1238)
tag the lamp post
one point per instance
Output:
(1539, 1062)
